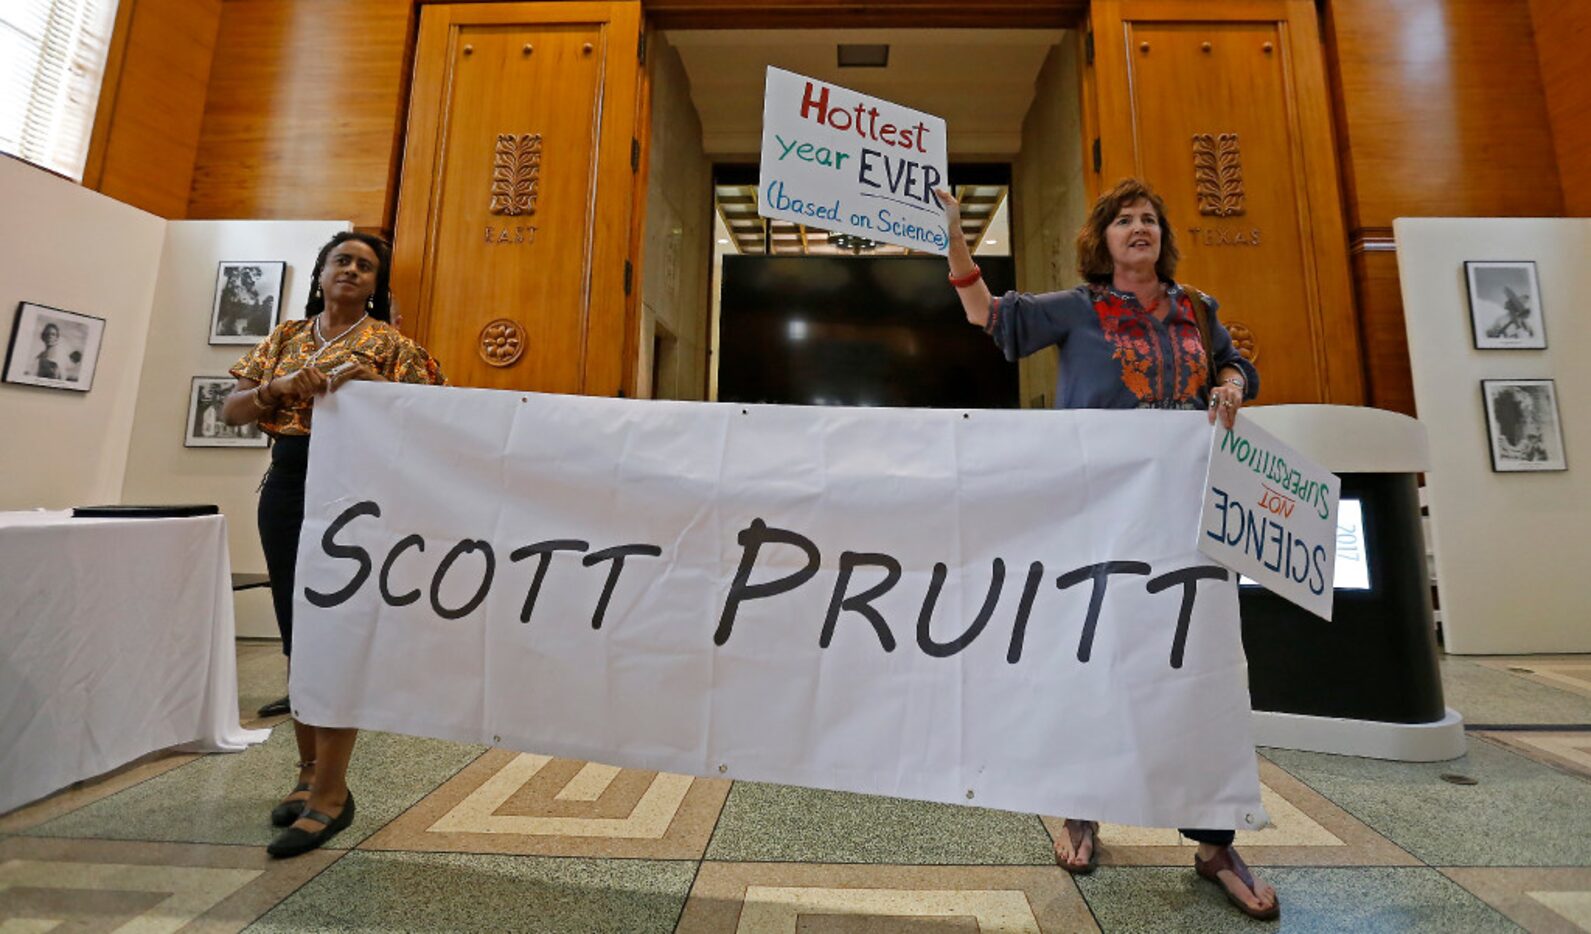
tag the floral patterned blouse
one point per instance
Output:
(377, 344)
(1115, 355)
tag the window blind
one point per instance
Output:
(52, 59)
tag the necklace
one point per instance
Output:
(325, 344)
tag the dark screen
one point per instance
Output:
(887, 330)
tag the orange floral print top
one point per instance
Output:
(377, 344)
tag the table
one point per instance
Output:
(116, 640)
(243, 581)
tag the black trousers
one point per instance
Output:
(281, 515)
(1213, 837)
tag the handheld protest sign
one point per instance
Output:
(839, 160)
(1271, 515)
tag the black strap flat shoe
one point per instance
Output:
(296, 842)
(288, 811)
(276, 708)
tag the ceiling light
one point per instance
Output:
(990, 242)
(852, 242)
(722, 240)
(853, 55)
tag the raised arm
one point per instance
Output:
(974, 294)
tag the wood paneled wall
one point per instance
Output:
(1443, 107)
(1383, 343)
(1440, 112)
(146, 130)
(305, 111)
(1563, 39)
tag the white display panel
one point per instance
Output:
(1353, 561)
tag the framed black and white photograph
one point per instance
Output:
(1522, 423)
(206, 429)
(248, 300)
(1505, 306)
(53, 348)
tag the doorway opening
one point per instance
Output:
(773, 312)
(810, 317)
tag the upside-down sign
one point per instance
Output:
(1270, 513)
(994, 608)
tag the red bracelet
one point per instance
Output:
(968, 279)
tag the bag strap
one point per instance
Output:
(1201, 316)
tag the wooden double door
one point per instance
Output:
(513, 242)
(522, 187)
(1224, 108)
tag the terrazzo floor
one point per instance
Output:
(463, 838)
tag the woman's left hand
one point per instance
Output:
(1225, 400)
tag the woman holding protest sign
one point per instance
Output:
(1129, 337)
(345, 335)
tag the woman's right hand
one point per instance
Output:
(304, 384)
(952, 208)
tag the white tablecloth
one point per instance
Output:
(115, 640)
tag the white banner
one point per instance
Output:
(838, 160)
(1270, 514)
(990, 607)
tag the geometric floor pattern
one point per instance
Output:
(766, 897)
(1306, 829)
(1569, 672)
(81, 885)
(514, 803)
(1570, 751)
(459, 838)
(1557, 900)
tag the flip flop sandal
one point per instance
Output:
(1229, 860)
(1076, 831)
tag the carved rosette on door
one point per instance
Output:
(1243, 339)
(502, 342)
(1218, 174)
(516, 174)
